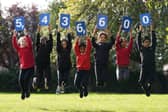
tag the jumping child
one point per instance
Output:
(123, 51)
(147, 53)
(102, 49)
(83, 65)
(64, 47)
(43, 70)
(24, 49)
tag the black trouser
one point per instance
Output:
(81, 79)
(101, 73)
(43, 72)
(25, 79)
(146, 76)
(63, 76)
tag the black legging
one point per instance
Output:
(25, 79)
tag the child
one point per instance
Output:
(101, 56)
(64, 61)
(25, 52)
(82, 52)
(147, 53)
(123, 56)
(43, 70)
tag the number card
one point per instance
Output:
(145, 19)
(19, 23)
(44, 19)
(102, 22)
(65, 20)
(126, 23)
(80, 28)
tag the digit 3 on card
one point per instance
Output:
(65, 20)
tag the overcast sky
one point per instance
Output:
(41, 4)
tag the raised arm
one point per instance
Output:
(50, 41)
(117, 42)
(153, 35)
(76, 48)
(69, 35)
(29, 42)
(88, 46)
(93, 38)
(139, 39)
(14, 41)
(130, 45)
(58, 47)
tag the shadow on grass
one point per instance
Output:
(72, 110)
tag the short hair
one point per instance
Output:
(146, 38)
(102, 33)
(82, 44)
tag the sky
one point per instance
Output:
(41, 4)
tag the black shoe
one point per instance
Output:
(81, 93)
(27, 94)
(23, 96)
(85, 92)
(148, 90)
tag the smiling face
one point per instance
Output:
(22, 42)
(124, 43)
(102, 37)
(146, 43)
(82, 49)
(64, 44)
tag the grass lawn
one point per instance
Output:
(93, 103)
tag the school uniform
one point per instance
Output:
(101, 59)
(26, 59)
(43, 69)
(123, 59)
(64, 59)
(148, 69)
(83, 65)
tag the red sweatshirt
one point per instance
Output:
(26, 57)
(83, 60)
(123, 54)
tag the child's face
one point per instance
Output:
(102, 38)
(22, 42)
(146, 43)
(124, 43)
(43, 41)
(64, 44)
(82, 49)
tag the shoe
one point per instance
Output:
(23, 96)
(38, 90)
(62, 88)
(27, 94)
(58, 90)
(148, 90)
(34, 83)
(45, 85)
(81, 93)
(85, 92)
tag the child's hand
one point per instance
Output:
(49, 28)
(38, 28)
(14, 33)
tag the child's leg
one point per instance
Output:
(47, 78)
(28, 79)
(104, 74)
(85, 81)
(40, 73)
(21, 83)
(98, 74)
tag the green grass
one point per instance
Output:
(93, 103)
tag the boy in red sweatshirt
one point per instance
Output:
(24, 49)
(123, 51)
(82, 52)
